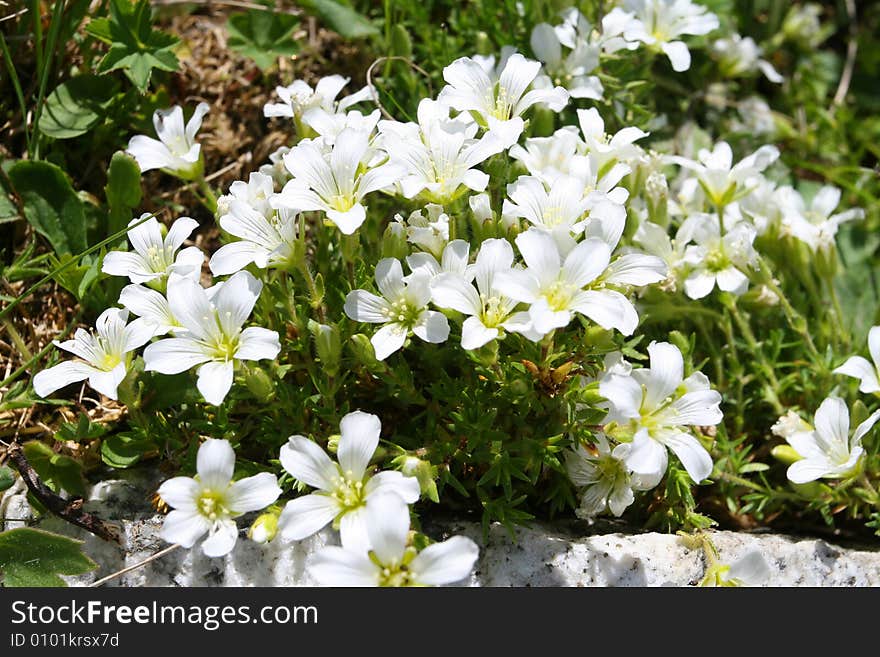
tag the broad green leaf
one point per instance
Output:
(8, 211)
(56, 470)
(51, 205)
(7, 477)
(263, 35)
(123, 190)
(124, 450)
(33, 557)
(77, 105)
(340, 18)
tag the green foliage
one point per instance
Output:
(50, 204)
(135, 47)
(56, 470)
(77, 106)
(263, 36)
(32, 557)
(123, 190)
(7, 477)
(340, 18)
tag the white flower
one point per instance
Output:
(431, 232)
(560, 208)
(256, 192)
(267, 240)
(151, 308)
(335, 183)
(607, 150)
(438, 155)
(723, 181)
(741, 56)
(329, 126)
(453, 259)
(860, 368)
(343, 488)
(388, 561)
(402, 308)
(572, 70)
(659, 23)
(655, 241)
(209, 502)
(176, 150)
(789, 424)
(606, 480)
(498, 103)
(105, 355)
(656, 404)
(214, 338)
(548, 158)
(553, 283)
(829, 451)
(488, 311)
(156, 257)
(815, 225)
(275, 169)
(716, 259)
(299, 97)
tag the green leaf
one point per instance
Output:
(76, 106)
(56, 470)
(136, 48)
(263, 35)
(7, 477)
(33, 557)
(339, 18)
(50, 204)
(123, 190)
(124, 450)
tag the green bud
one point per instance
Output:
(423, 471)
(826, 262)
(351, 247)
(681, 341)
(362, 350)
(259, 384)
(785, 454)
(327, 344)
(333, 443)
(394, 242)
(484, 45)
(265, 527)
(401, 44)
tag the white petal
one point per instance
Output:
(184, 527)
(253, 493)
(447, 562)
(363, 306)
(432, 327)
(180, 493)
(234, 257)
(359, 438)
(308, 463)
(732, 280)
(832, 421)
(306, 515)
(518, 285)
(107, 382)
(647, 457)
(349, 221)
(636, 269)
(874, 344)
(864, 428)
(392, 481)
(389, 278)
(679, 55)
(336, 566)
(609, 309)
(215, 380)
(699, 407)
(173, 355)
(150, 153)
(215, 463)
(48, 381)
(474, 334)
(699, 284)
(387, 526)
(235, 300)
(802, 472)
(586, 261)
(179, 231)
(257, 343)
(691, 453)
(124, 263)
(540, 252)
(388, 339)
(452, 291)
(353, 532)
(859, 368)
(666, 373)
(222, 539)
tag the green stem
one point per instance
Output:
(766, 368)
(207, 196)
(13, 75)
(54, 28)
(17, 340)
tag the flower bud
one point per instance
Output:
(394, 241)
(328, 345)
(333, 443)
(401, 43)
(363, 352)
(423, 471)
(265, 527)
(785, 454)
(259, 384)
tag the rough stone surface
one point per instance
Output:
(559, 555)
